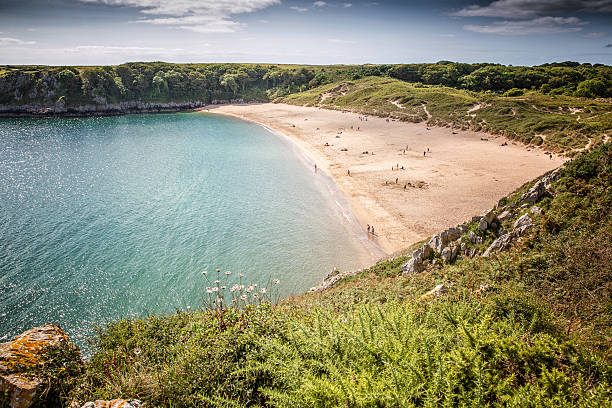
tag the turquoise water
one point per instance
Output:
(103, 218)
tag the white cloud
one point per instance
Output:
(298, 9)
(14, 42)
(339, 41)
(541, 25)
(204, 16)
(319, 4)
(534, 8)
(448, 35)
(347, 5)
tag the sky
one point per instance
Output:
(101, 32)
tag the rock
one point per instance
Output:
(540, 188)
(22, 353)
(435, 292)
(524, 220)
(474, 239)
(489, 216)
(535, 210)
(413, 265)
(463, 247)
(116, 403)
(446, 255)
(483, 225)
(504, 216)
(476, 218)
(499, 244)
(455, 253)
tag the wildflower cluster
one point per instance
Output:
(220, 295)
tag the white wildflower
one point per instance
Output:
(276, 281)
(204, 273)
(208, 290)
(228, 273)
(263, 290)
(240, 275)
(215, 289)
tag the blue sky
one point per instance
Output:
(93, 32)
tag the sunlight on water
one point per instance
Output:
(110, 217)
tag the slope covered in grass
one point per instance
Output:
(557, 123)
(527, 327)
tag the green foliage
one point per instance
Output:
(183, 360)
(556, 123)
(439, 354)
(529, 327)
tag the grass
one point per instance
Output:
(531, 327)
(560, 124)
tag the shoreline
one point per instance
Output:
(445, 187)
(374, 251)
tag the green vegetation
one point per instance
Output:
(550, 105)
(558, 123)
(529, 327)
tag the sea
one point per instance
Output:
(103, 218)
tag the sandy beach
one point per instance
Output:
(444, 176)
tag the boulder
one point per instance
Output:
(504, 216)
(489, 216)
(446, 254)
(524, 220)
(483, 225)
(540, 188)
(499, 244)
(474, 239)
(535, 210)
(414, 265)
(23, 389)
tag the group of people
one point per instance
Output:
(371, 229)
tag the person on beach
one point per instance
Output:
(368, 228)
(348, 172)
(315, 167)
(373, 230)
(404, 187)
(423, 154)
(397, 178)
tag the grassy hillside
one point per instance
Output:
(559, 123)
(530, 327)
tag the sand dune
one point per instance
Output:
(460, 176)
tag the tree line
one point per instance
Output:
(166, 82)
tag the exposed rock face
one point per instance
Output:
(523, 223)
(23, 352)
(540, 188)
(116, 403)
(504, 216)
(520, 226)
(101, 108)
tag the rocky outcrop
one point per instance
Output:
(17, 357)
(540, 188)
(446, 243)
(60, 108)
(116, 403)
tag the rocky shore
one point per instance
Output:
(59, 109)
(483, 235)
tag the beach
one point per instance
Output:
(405, 179)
